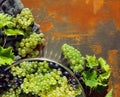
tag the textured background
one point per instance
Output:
(92, 26)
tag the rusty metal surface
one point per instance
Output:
(92, 26)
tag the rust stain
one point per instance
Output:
(81, 12)
(32, 3)
(97, 48)
(75, 13)
(98, 4)
(114, 6)
(116, 93)
(112, 59)
(87, 1)
(46, 26)
(75, 35)
(112, 56)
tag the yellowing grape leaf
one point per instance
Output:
(97, 5)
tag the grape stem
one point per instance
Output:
(5, 39)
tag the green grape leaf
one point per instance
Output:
(6, 56)
(12, 32)
(5, 20)
(103, 78)
(91, 61)
(103, 64)
(90, 78)
(103, 83)
(109, 94)
(105, 75)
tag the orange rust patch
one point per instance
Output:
(98, 4)
(114, 6)
(116, 90)
(86, 13)
(46, 26)
(112, 59)
(97, 48)
(74, 35)
(32, 3)
(112, 56)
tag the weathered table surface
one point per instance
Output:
(92, 26)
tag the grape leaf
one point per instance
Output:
(12, 32)
(103, 78)
(105, 75)
(91, 61)
(103, 64)
(6, 55)
(90, 78)
(5, 20)
(109, 94)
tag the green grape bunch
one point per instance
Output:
(74, 57)
(27, 68)
(41, 80)
(28, 45)
(24, 19)
(41, 83)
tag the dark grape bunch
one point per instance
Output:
(7, 80)
(12, 93)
